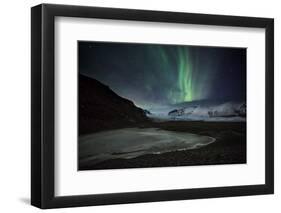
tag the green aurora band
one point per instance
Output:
(185, 75)
(188, 85)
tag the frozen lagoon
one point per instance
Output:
(133, 142)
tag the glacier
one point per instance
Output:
(220, 111)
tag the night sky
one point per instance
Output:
(153, 75)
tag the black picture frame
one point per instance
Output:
(43, 110)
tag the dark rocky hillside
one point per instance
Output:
(102, 109)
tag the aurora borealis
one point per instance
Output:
(154, 74)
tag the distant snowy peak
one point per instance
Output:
(207, 110)
(182, 111)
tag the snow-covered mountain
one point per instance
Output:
(202, 110)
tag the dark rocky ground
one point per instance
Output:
(229, 147)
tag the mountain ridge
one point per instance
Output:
(100, 108)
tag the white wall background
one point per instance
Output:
(15, 105)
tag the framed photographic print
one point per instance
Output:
(139, 106)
